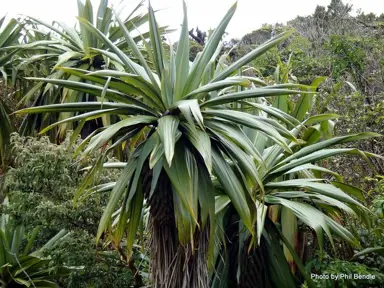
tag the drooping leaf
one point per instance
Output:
(167, 128)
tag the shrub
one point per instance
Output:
(40, 185)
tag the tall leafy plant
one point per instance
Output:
(295, 184)
(185, 137)
(50, 46)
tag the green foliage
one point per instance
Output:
(41, 186)
(18, 266)
(347, 272)
(377, 194)
(97, 270)
(373, 237)
(348, 56)
(191, 132)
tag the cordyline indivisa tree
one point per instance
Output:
(189, 139)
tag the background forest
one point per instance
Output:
(211, 162)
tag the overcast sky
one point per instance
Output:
(250, 14)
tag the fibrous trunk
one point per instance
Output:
(173, 265)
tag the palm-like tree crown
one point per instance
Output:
(195, 126)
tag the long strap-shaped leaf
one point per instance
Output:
(182, 57)
(74, 41)
(137, 53)
(184, 178)
(92, 89)
(103, 137)
(133, 67)
(85, 106)
(240, 81)
(156, 42)
(322, 188)
(251, 93)
(116, 194)
(247, 120)
(210, 48)
(234, 189)
(130, 84)
(167, 129)
(327, 143)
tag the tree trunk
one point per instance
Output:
(172, 264)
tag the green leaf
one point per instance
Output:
(63, 58)
(136, 52)
(51, 243)
(310, 166)
(184, 178)
(320, 118)
(104, 136)
(276, 263)
(129, 84)
(277, 113)
(31, 239)
(250, 121)
(221, 202)
(229, 82)
(261, 210)
(166, 88)
(378, 250)
(313, 157)
(86, 13)
(182, 57)
(302, 107)
(191, 108)
(157, 153)
(297, 260)
(251, 93)
(322, 188)
(85, 106)
(92, 89)
(201, 141)
(308, 214)
(135, 68)
(234, 189)
(350, 190)
(166, 129)
(341, 231)
(74, 41)
(210, 48)
(156, 42)
(245, 164)
(18, 235)
(312, 135)
(86, 116)
(327, 143)
(116, 194)
(144, 154)
(237, 136)
(289, 229)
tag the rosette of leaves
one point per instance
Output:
(173, 114)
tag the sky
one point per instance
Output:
(205, 14)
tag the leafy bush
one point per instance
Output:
(374, 237)
(79, 249)
(348, 273)
(40, 185)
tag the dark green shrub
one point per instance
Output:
(40, 185)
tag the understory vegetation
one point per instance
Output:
(127, 161)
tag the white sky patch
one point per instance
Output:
(205, 14)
